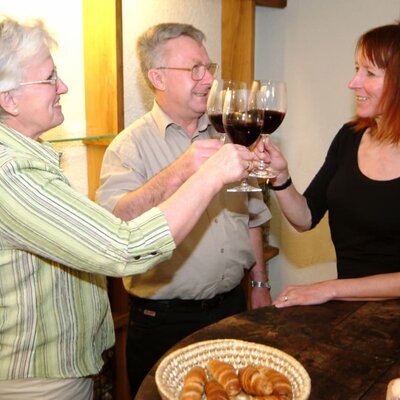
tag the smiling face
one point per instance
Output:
(367, 84)
(181, 97)
(37, 105)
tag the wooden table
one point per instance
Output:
(350, 349)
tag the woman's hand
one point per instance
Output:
(302, 295)
(265, 150)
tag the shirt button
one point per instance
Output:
(216, 220)
(222, 251)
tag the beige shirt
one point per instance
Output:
(212, 259)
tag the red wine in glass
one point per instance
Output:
(245, 131)
(272, 120)
(215, 104)
(216, 121)
(243, 122)
(273, 99)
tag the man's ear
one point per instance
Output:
(8, 104)
(157, 79)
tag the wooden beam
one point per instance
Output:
(102, 22)
(238, 30)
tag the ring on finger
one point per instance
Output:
(249, 165)
(285, 298)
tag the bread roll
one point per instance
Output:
(225, 374)
(254, 382)
(393, 390)
(193, 385)
(215, 391)
(280, 383)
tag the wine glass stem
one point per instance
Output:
(262, 165)
(244, 184)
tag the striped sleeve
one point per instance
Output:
(41, 213)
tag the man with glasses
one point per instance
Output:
(146, 163)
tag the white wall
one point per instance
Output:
(64, 20)
(310, 44)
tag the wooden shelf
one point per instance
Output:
(272, 3)
(270, 252)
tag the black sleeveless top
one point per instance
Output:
(364, 214)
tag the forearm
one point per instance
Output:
(375, 287)
(293, 205)
(152, 193)
(260, 296)
(183, 209)
(161, 186)
(258, 272)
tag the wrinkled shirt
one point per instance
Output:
(213, 257)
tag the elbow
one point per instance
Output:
(304, 223)
(121, 211)
(301, 228)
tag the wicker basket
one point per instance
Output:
(174, 367)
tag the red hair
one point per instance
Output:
(381, 46)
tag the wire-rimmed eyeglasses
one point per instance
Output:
(198, 71)
(52, 80)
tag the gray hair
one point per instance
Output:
(149, 46)
(20, 43)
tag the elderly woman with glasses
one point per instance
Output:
(56, 245)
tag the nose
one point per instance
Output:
(208, 77)
(61, 86)
(355, 82)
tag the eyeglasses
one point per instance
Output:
(198, 71)
(51, 81)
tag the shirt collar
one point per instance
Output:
(163, 121)
(9, 137)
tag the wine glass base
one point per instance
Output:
(243, 188)
(263, 174)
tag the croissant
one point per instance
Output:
(280, 383)
(254, 382)
(215, 391)
(193, 385)
(225, 374)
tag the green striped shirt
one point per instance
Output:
(55, 248)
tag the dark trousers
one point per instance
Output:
(157, 325)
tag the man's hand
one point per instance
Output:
(194, 157)
(230, 164)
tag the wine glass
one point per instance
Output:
(242, 119)
(215, 104)
(273, 101)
